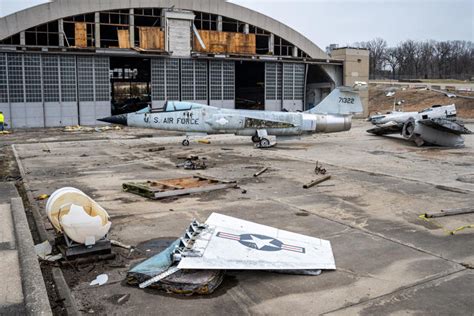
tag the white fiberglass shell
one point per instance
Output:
(78, 216)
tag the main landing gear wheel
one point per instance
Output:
(255, 139)
(264, 143)
(185, 143)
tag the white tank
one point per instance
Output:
(78, 216)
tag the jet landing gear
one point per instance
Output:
(185, 142)
(262, 140)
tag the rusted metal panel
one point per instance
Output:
(123, 38)
(226, 42)
(152, 38)
(80, 34)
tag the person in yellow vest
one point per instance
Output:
(2, 121)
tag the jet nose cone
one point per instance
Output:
(116, 119)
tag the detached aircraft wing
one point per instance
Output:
(234, 244)
(228, 243)
(387, 129)
(445, 125)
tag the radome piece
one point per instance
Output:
(433, 126)
(78, 216)
(333, 114)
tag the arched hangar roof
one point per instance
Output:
(25, 19)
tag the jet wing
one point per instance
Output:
(445, 125)
(386, 129)
(234, 244)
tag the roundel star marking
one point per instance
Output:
(260, 242)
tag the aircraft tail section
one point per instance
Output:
(342, 101)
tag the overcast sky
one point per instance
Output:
(348, 21)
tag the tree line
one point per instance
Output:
(420, 59)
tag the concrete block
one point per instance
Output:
(7, 233)
(11, 292)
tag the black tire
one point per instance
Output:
(264, 143)
(255, 139)
(185, 142)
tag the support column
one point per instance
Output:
(22, 38)
(219, 23)
(246, 28)
(97, 29)
(271, 44)
(61, 32)
(131, 27)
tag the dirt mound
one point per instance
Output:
(417, 100)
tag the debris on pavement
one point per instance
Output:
(100, 280)
(78, 128)
(450, 212)
(260, 172)
(319, 169)
(152, 150)
(429, 217)
(41, 197)
(44, 250)
(227, 243)
(175, 187)
(204, 141)
(317, 181)
(193, 163)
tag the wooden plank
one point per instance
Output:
(152, 38)
(450, 212)
(80, 34)
(226, 42)
(123, 38)
(242, 43)
(161, 195)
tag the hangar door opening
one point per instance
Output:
(250, 85)
(319, 86)
(130, 80)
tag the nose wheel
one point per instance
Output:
(255, 139)
(185, 143)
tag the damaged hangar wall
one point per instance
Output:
(67, 81)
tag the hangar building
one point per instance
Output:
(70, 62)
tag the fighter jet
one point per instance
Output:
(333, 114)
(433, 126)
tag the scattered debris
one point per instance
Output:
(152, 150)
(317, 181)
(193, 163)
(261, 172)
(429, 217)
(100, 280)
(121, 245)
(41, 197)
(319, 169)
(244, 191)
(450, 212)
(175, 187)
(44, 251)
(123, 299)
(204, 141)
(227, 243)
(5, 132)
(390, 94)
(78, 128)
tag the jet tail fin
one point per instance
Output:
(342, 100)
